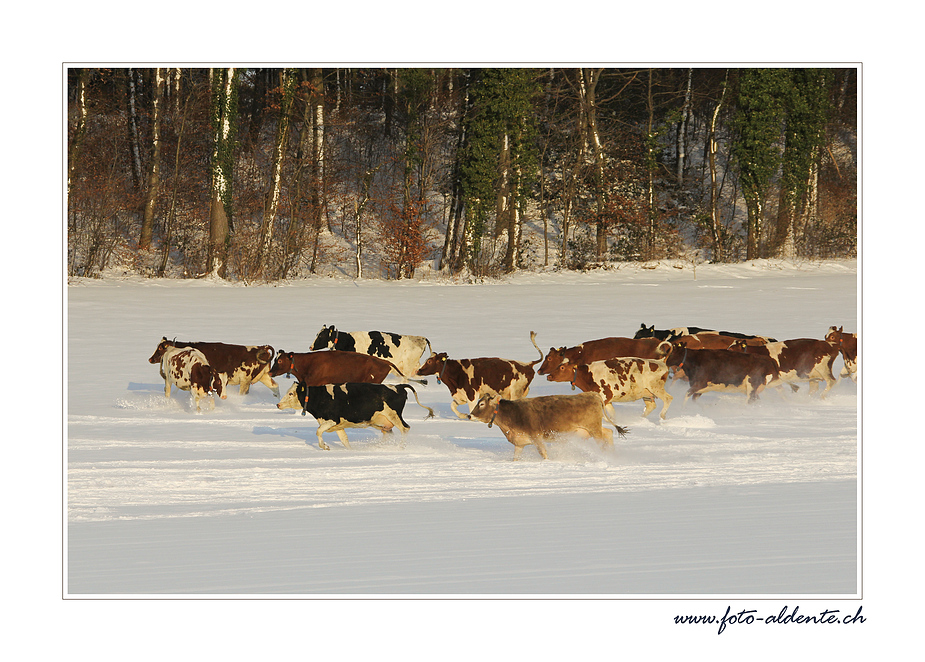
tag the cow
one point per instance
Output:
(404, 351)
(188, 369)
(848, 345)
(470, 379)
(671, 334)
(620, 380)
(537, 420)
(716, 341)
(319, 368)
(723, 370)
(605, 348)
(352, 405)
(799, 359)
(238, 364)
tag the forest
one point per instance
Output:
(266, 174)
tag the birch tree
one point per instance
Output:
(287, 80)
(80, 129)
(715, 227)
(223, 120)
(134, 140)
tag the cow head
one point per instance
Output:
(327, 337)
(295, 398)
(434, 364)
(564, 372)
(282, 365)
(553, 359)
(739, 345)
(678, 353)
(835, 334)
(645, 331)
(486, 409)
(162, 347)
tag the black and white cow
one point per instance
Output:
(359, 405)
(403, 351)
(188, 369)
(673, 334)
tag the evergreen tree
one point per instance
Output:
(224, 110)
(807, 108)
(757, 126)
(499, 159)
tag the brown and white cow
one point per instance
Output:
(798, 360)
(605, 348)
(238, 364)
(848, 345)
(188, 369)
(470, 379)
(620, 380)
(709, 340)
(319, 368)
(537, 420)
(723, 370)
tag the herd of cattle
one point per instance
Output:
(343, 388)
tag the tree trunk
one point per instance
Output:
(715, 226)
(168, 224)
(287, 85)
(591, 142)
(650, 171)
(154, 170)
(317, 104)
(73, 153)
(223, 120)
(133, 137)
(682, 130)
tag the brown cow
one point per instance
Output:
(237, 364)
(723, 370)
(605, 348)
(620, 380)
(848, 344)
(716, 341)
(470, 379)
(320, 368)
(536, 420)
(800, 359)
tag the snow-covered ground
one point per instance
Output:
(722, 498)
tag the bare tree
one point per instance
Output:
(154, 169)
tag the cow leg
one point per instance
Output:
(666, 399)
(517, 451)
(454, 404)
(650, 405)
(245, 386)
(541, 447)
(322, 428)
(606, 438)
(270, 384)
(343, 439)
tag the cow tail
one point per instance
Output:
(430, 411)
(533, 340)
(620, 429)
